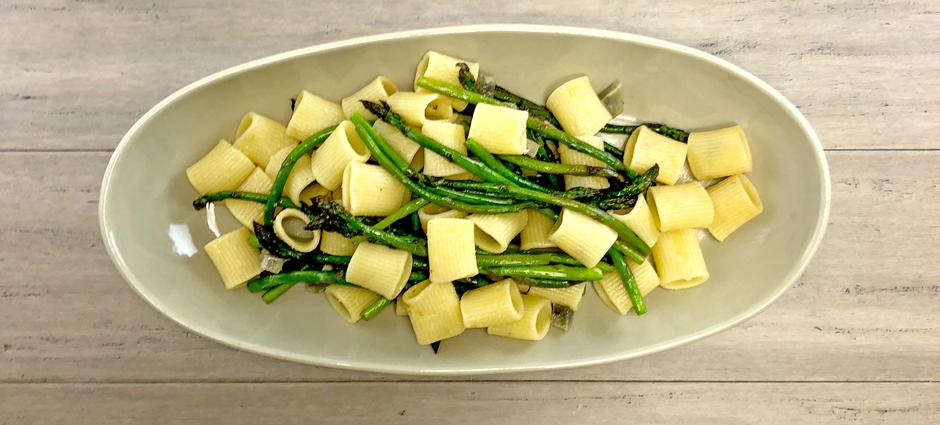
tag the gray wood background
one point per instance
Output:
(857, 340)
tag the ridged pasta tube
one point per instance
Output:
(342, 147)
(569, 297)
(493, 232)
(223, 168)
(719, 153)
(571, 156)
(300, 176)
(234, 258)
(377, 90)
(259, 137)
(646, 148)
(493, 304)
(577, 107)
(370, 190)
(736, 202)
(536, 232)
(247, 212)
(640, 220)
(501, 130)
(442, 67)
(336, 244)
(312, 113)
(447, 134)
(380, 269)
(585, 239)
(418, 109)
(681, 206)
(402, 145)
(434, 311)
(289, 227)
(451, 252)
(349, 301)
(679, 259)
(611, 291)
(432, 211)
(534, 324)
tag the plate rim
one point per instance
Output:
(136, 283)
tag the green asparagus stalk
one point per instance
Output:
(493, 163)
(274, 293)
(547, 272)
(269, 241)
(559, 168)
(405, 210)
(328, 215)
(466, 78)
(545, 283)
(499, 93)
(260, 198)
(375, 308)
(307, 276)
(629, 282)
(287, 166)
(663, 129)
(613, 150)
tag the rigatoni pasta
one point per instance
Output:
(289, 226)
(719, 153)
(420, 108)
(640, 220)
(611, 291)
(404, 147)
(377, 90)
(679, 259)
(234, 258)
(447, 134)
(349, 301)
(451, 252)
(442, 67)
(569, 297)
(645, 148)
(493, 232)
(736, 202)
(577, 107)
(493, 304)
(499, 129)
(571, 156)
(300, 176)
(371, 190)
(432, 211)
(312, 113)
(582, 237)
(680, 207)
(434, 310)
(223, 168)
(534, 324)
(380, 269)
(342, 147)
(259, 137)
(244, 211)
(535, 234)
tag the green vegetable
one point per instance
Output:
(273, 244)
(548, 272)
(629, 282)
(326, 214)
(276, 292)
(375, 308)
(201, 202)
(308, 276)
(559, 168)
(663, 129)
(493, 163)
(287, 166)
(405, 210)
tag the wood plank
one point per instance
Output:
(473, 403)
(864, 311)
(863, 72)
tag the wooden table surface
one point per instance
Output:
(856, 340)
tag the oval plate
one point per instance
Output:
(145, 190)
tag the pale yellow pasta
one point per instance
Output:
(417, 163)
(569, 297)
(736, 202)
(259, 137)
(679, 259)
(447, 134)
(312, 113)
(451, 253)
(536, 231)
(342, 147)
(719, 153)
(577, 107)
(682, 206)
(246, 212)
(501, 130)
(432, 211)
(490, 305)
(349, 301)
(585, 239)
(571, 156)
(380, 269)
(493, 232)
(234, 258)
(434, 311)
(442, 67)
(534, 324)
(611, 291)
(301, 175)
(333, 243)
(402, 145)
(289, 228)
(418, 109)
(400, 308)
(640, 220)
(223, 168)
(370, 190)
(646, 148)
(314, 190)
(377, 90)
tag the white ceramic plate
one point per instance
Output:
(145, 191)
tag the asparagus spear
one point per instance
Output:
(547, 272)
(309, 276)
(559, 168)
(629, 282)
(260, 198)
(375, 308)
(491, 161)
(328, 215)
(287, 166)
(663, 129)
(276, 292)
(469, 83)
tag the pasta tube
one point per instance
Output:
(493, 304)
(451, 253)
(370, 190)
(289, 227)
(681, 206)
(577, 107)
(434, 311)
(534, 324)
(247, 212)
(679, 259)
(380, 269)
(312, 113)
(259, 137)
(719, 153)
(582, 237)
(342, 147)
(493, 232)
(223, 168)
(418, 109)
(501, 130)
(234, 258)
(611, 291)
(736, 202)
(377, 90)
(646, 148)
(349, 301)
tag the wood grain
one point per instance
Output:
(77, 74)
(474, 403)
(865, 310)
